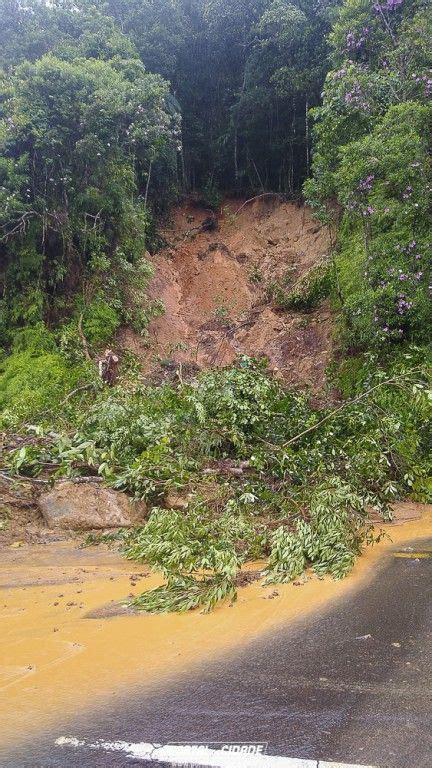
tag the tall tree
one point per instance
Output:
(79, 137)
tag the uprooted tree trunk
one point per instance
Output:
(108, 367)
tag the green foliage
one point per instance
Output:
(212, 196)
(81, 133)
(33, 380)
(390, 302)
(372, 140)
(185, 593)
(100, 322)
(266, 474)
(330, 539)
(244, 74)
(309, 291)
(184, 548)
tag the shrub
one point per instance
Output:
(100, 322)
(307, 292)
(266, 474)
(33, 383)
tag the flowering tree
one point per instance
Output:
(371, 166)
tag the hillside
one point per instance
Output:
(216, 288)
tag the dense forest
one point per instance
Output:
(110, 112)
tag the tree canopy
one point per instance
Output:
(371, 168)
(108, 110)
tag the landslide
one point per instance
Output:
(214, 286)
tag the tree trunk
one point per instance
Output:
(148, 184)
(236, 126)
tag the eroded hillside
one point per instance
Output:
(215, 289)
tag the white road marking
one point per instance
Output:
(199, 756)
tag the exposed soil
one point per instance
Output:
(20, 518)
(214, 284)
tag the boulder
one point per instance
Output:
(84, 506)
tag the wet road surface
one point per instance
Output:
(351, 685)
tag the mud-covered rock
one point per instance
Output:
(86, 506)
(176, 501)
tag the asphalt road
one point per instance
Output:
(351, 685)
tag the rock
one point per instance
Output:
(402, 511)
(175, 501)
(86, 506)
(209, 224)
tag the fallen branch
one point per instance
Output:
(83, 338)
(75, 391)
(207, 225)
(257, 197)
(80, 480)
(20, 478)
(330, 415)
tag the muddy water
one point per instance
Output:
(55, 662)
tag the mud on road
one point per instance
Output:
(59, 665)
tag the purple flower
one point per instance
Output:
(388, 5)
(355, 96)
(366, 184)
(353, 42)
(340, 74)
(403, 306)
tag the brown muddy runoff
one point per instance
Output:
(55, 662)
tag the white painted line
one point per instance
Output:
(199, 756)
(322, 764)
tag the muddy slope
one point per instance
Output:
(214, 287)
